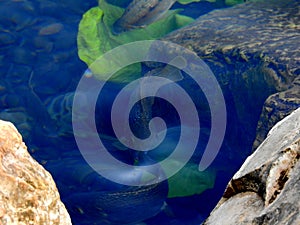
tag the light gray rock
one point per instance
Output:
(266, 189)
(28, 194)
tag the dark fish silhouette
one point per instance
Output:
(144, 113)
(141, 13)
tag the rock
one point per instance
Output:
(9, 101)
(18, 117)
(276, 107)
(6, 38)
(266, 188)
(17, 15)
(253, 50)
(51, 79)
(28, 193)
(43, 44)
(50, 29)
(66, 39)
(21, 55)
(18, 74)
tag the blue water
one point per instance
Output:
(39, 73)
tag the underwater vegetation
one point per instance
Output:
(90, 198)
(40, 69)
(101, 29)
(95, 37)
(107, 26)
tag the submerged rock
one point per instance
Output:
(51, 29)
(253, 50)
(266, 188)
(28, 193)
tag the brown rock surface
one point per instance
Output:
(253, 50)
(266, 189)
(28, 194)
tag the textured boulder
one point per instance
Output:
(253, 50)
(28, 194)
(266, 190)
(276, 107)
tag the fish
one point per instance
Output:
(144, 110)
(169, 72)
(141, 13)
(129, 206)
